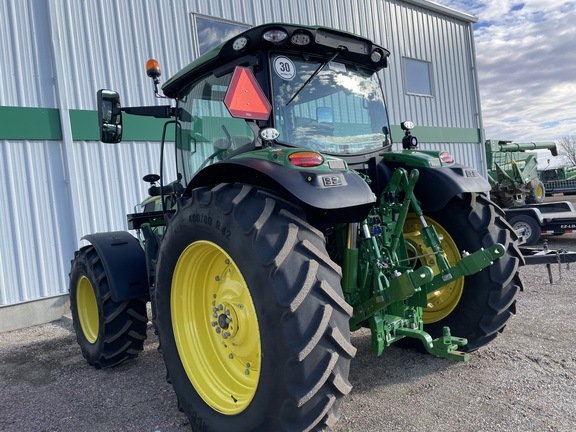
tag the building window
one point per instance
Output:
(209, 32)
(417, 75)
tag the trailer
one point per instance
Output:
(548, 257)
(555, 218)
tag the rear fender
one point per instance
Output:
(124, 263)
(327, 196)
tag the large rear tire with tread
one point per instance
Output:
(251, 318)
(484, 301)
(108, 332)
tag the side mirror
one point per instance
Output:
(109, 116)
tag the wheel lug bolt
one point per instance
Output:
(218, 329)
(214, 296)
(225, 335)
(227, 261)
(228, 320)
(217, 278)
(230, 356)
(247, 365)
(227, 312)
(247, 372)
(215, 315)
(214, 323)
(220, 307)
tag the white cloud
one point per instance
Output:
(526, 57)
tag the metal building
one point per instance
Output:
(60, 182)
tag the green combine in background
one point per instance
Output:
(513, 172)
(559, 180)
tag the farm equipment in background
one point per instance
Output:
(513, 172)
(559, 180)
(516, 187)
(290, 224)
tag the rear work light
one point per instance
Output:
(306, 159)
(446, 158)
(275, 35)
(300, 39)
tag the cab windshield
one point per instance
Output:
(340, 110)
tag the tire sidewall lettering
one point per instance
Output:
(204, 219)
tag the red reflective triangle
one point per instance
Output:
(245, 98)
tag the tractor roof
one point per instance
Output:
(243, 49)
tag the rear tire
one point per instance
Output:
(240, 254)
(108, 332)
(487, 299)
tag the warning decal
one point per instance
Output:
(244, 98)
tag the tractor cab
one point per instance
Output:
(283, 86)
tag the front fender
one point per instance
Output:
(124, 264)
(437, 184)
(326, 195)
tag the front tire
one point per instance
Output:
(537, 194)
(108, 332)
(478, 306)
(251, 319)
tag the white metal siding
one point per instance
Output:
(445, 42)
(57, 54)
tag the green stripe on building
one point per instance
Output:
(22, 123)
(19, 123)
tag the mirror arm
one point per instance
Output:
(162, 111)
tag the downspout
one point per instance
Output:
(57, 52)
(483, 169)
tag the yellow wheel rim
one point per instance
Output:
(215, 327)
(539, 191)
(87, 309)
(442, 301)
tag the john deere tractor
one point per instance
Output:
(287, 224)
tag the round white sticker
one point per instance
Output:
(284, 68)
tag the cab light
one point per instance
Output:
(240, 43)
(446, 158)
(275, 36)
(306, 159)
(300, 39)
(376, 56)
(269, 134)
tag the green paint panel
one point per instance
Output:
(19, 123)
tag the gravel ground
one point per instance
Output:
(523, 381)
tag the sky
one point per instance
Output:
(526, 59)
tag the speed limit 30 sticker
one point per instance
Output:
(284, 68)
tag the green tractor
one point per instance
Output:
(513, 172)
(290, 224)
